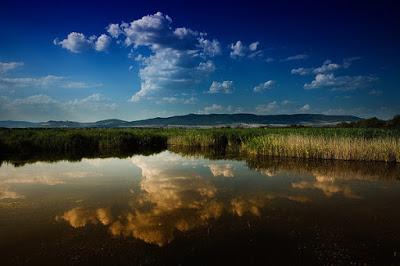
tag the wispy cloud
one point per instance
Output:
(342, 83)
(217, 108)
(295, 57)
(44, 107)
(267, 108)
(8, 66)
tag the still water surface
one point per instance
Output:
(173, 209)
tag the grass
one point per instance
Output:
(321, 147)
(317, 143)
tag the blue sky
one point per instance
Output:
(140, 59)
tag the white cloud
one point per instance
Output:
(264, 86)
(76, 42)
(80, 85)
(296, 57)
(225, 86)
(267, 108)
(102, 43)
(253, 46)
(114, 30)
(305, 108)
(217, 108)
(179, 58)
(239, 50)
(44, 81)
(35, 100)
(151, 30)
(340, 83)
(94, 102)
(42, 107)
(206, 66)
(177, 100)
(325, 78)
(210, 48)
(7, 66)
(301, 71)
(326, 67)
(213, 108)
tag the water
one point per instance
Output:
(170, 208)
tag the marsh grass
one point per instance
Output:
(317, 143)
(320, 147)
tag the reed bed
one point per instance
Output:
(317, 143)
(319, 147)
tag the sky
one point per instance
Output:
(130, 60)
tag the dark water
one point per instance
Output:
(174, 209)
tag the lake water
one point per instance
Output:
(170, 208)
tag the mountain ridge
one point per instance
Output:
(195, 120)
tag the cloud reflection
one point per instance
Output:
(179, 194)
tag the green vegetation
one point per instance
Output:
(374, 123)
(367, 144)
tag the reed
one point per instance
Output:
(319, 143)
(320, 147)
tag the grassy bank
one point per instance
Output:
(320, 143)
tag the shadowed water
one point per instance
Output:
(191, 207)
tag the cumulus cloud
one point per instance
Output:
(179, 58)
(267, 85)
(342, 83)
(225, 86)
(114, 30)
(8, 66)
(206, 66)
(77, 42)
(239, 50)
(102, 43)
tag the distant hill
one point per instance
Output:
(197, 120)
